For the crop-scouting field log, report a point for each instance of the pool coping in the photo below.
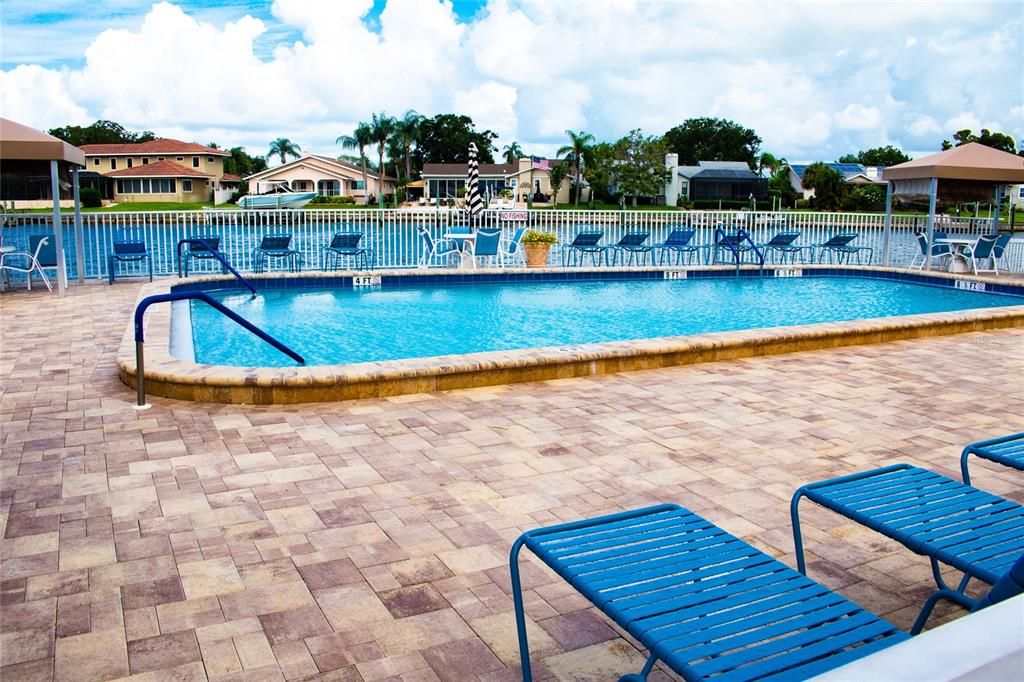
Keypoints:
(171, 377)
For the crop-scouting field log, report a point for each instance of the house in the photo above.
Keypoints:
(323, 175)
(528, 175)
(158, 170)
(712, 181)
(853, 174)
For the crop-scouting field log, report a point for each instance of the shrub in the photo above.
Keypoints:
(400, 194)
(803, 204)
(90, 198)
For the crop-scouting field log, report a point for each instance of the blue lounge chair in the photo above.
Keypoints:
(435, 248)
(679, 242)
(197, 250)
(632, 243)
(940, 252)
(999, 251)
(128, 252)
(584, 243)
(707, 604)
(1005, 450)
(980, 251)
(782, 246)
(276, 247)
(949, 522)
(841, 248)
(345, 245)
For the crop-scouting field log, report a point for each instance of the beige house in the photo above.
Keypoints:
(160, 170)
(525, 177)
(323, 175)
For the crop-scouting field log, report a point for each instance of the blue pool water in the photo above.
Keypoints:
(340, 326)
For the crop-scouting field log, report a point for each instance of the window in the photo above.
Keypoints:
(1020, 192)
(511, 183)
(179, 158)
(209, 159)
(145, 160)
(195, 162)
(357, 184)
(163, 186)
(129, 162)
(113, 164)
(186, 185)
(95, 162)
(146, 186)
(159, 158)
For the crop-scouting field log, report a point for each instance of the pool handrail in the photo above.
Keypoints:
(729, 241)
(140, 341)
(216, 254)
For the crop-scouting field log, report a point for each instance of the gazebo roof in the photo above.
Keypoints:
(19, 142)
(972, 161)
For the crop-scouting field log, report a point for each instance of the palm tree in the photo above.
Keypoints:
(512, 152)
(284, 148)
(407, 132)
(574, 153)
(360, 139)
(771, 163)
(381, 128)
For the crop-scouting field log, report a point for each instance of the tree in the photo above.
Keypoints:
(407, 131)
(283, 147)
(769, 162)
(381, 128)
(713, 139)
(445, 138)
(360, 139)
(598, 169)
(780, 186)
(1000, 141)
(241, 164)
(512, 152)
(574, 153)
(556, 175)
(829, 187)
(640, 170)
(100, 132)
(877, 156)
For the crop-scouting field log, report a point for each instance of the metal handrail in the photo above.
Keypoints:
(140, 342)
(741, 236)
(218, 256)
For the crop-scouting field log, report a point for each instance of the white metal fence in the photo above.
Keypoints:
(392, 234)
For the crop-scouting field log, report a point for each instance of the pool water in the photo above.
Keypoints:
(344, 325)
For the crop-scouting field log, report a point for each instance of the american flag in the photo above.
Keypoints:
(539, 163)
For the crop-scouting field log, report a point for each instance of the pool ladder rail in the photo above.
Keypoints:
(731, 242)
(216, 254)
(140, 341)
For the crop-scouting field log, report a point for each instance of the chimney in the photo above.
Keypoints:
(672, 186)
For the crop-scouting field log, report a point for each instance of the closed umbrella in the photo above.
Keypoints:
(474, 201)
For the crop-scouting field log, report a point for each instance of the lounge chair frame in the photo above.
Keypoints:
(346, 245)
(1005, 450)
(128, 251)
(276, 247)
(583, 243)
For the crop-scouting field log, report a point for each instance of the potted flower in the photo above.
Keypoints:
(536, 246)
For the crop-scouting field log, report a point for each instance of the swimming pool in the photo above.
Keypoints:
(411, 319)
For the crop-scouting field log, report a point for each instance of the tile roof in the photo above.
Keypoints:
(162, 145)
(461, 169)
(158, 169)
(231, 177)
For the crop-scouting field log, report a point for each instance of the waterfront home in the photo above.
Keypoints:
(528, 175)
(853, 174)
(712, 180)
(323, 175)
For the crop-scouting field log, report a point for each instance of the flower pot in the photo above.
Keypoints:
(536, 254)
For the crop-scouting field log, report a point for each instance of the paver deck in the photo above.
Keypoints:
(367, 540)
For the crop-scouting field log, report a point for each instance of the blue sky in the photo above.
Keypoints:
(814, 80)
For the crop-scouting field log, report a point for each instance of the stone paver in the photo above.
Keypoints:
(366, 540)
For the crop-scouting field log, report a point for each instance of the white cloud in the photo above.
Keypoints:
(813, 80)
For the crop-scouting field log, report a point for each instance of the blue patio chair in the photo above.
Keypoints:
(678, 242)
(513, 249)
(632, 243)
(1005, 450)
(582, 244)
(981, 251)
(705, 603)
(276, 247)
(999, 251)
(128, 252)
(782, 247)
(196, 250)
(949, 522)
(434, 248)
(345, 245)
(486, 245)
(940, 252)
(840, 247)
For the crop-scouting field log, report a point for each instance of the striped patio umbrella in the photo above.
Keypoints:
(474, 201)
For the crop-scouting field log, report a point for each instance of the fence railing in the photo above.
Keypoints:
(392, 234)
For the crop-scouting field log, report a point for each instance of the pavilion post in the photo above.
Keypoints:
(79, 237)
(995, 217)
(58, 237)
(932, 193)
(887, 229)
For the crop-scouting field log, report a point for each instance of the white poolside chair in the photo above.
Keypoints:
(35, 260)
